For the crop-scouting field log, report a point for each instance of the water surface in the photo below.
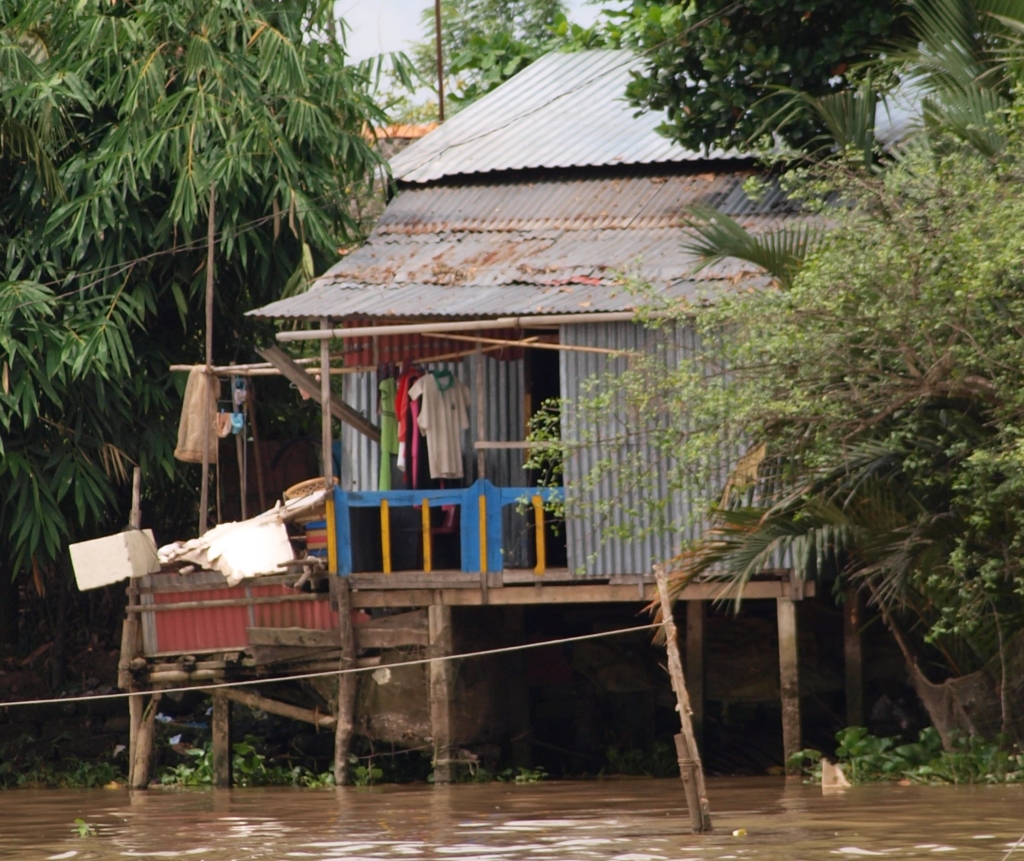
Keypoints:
(610, 820)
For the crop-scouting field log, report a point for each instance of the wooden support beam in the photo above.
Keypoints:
(221, 731)
(695, 617)
(789, 680)
(142, 763)
(341, 596)
(307, 637)
(422, 593)
(276, 707)
(690, 768)
(442, 682)
(306, 384)
(853, 621)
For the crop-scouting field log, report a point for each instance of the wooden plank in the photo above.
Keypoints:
(371, 637)
(690, 768)
(789, 680)
(584, 593)
(308, 637)
(267, 655)
(305, 383)
(254, 701)
(422, 580)
(413, 619)
(226, 602)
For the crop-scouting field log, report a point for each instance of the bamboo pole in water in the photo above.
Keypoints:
(690, 768)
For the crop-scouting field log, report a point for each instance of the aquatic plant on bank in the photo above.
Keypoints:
(866, 758)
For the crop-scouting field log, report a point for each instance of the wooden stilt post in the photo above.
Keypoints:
(690, 768)
(130, 638)
(142, 762)
(221, 728)
(853, 612)
(789, 679)
(346, 705)
(695, 614)
(442, 676)
(135, 707)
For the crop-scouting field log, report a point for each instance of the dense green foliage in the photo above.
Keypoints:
(125, 116)
(486, 42)
(868, 759)
(717, 67)
(873, 379)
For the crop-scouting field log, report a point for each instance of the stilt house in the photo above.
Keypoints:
(498, 267)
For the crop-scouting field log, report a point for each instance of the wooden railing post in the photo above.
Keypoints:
(541, 539)
(483, 546)
(690, 768)
(385, 535)
(428, 550)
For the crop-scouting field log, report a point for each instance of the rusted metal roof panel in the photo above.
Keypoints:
(574, 204)
(542, 247)
(564, 110)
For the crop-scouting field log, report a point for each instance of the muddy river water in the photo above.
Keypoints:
(611, 820)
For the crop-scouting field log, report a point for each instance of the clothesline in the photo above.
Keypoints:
(265, 369)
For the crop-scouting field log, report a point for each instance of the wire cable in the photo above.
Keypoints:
(212, 686)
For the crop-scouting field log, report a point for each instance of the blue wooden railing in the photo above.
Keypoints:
(481, 502)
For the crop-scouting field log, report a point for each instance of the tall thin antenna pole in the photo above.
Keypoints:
(440, 60)
(204, 492)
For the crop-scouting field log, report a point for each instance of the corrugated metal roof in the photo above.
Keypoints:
(573, 204)
(530, 248)
(564, 110)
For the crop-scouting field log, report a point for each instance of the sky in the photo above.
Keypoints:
(380, 26)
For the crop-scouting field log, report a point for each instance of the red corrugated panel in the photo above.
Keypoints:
(215, 628)
(201, 629)
(292, 614)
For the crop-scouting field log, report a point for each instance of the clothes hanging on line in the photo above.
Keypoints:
(443, 415)
(387, 388)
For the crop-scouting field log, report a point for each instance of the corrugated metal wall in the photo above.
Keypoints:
(504, 389)
(590, 549)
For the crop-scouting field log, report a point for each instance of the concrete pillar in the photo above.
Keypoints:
(789, 678)
(442, 682)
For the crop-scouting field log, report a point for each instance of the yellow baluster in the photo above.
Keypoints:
(332, 534)
(385, 535)
(428, 556)
(483, 534)
(541, 538)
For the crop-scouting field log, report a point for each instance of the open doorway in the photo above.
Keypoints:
(543, 386)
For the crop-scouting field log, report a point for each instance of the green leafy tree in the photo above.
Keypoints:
(130, 114)
(716, 67)
(484, 42)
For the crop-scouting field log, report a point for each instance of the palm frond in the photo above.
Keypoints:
(780, 252)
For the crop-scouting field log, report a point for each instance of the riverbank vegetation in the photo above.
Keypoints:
(866, 758)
